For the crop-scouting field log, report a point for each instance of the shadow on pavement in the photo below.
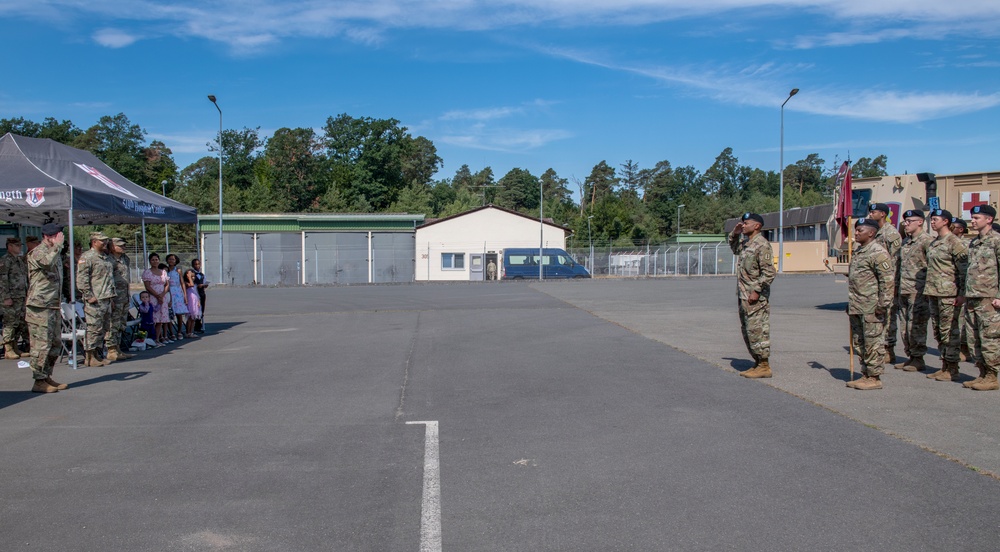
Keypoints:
(838, 307)
(739, 364)
(10, 398)
(842, 374)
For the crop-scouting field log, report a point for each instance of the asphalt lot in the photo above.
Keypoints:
(595, 415)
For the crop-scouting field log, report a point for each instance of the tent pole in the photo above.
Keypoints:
(72, 281)
(145, 251)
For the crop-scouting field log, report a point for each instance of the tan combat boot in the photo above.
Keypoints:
(949, 372)
(10, 351)
(42, 386)
(93, 360)
(867, 383)
(890, 355)
(966, 354)
(944, 368)
(915, 364)
(853, 383)
(122, 355)
(763, 370)
(982, 374)
(54, 383)
(113, 354)
(989, 383)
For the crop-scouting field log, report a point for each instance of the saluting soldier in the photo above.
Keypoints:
(95, 280)
(911, 302)
(13, 290)
(888, 237)
(982, 297)
(45, 275)
(947, 262)
(870, 285)
(755, 272)
(119, 312)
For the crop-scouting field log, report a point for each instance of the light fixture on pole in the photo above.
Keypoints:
(679, 221)
(590, 237)
(211, 98)
(781, 187)
(166, 230)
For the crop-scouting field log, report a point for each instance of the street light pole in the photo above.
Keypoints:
(166, 230)
(541, 230)
(590, 237)
(781, 188)
(679, 221)
(211, 98)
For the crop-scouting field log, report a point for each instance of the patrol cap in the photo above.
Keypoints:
(865, 221)
(752, 216)
(984, 210)
(941, 213)
(12, 240)
(118, 241)
(98, 236)
(31, 239)
(960, 222)
(51, 229)
(913, 213)
(879, 207)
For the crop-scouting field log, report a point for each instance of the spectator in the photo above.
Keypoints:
(146, 309)
(193, 302)
(199, 280)
(157, 285)
(178, 293)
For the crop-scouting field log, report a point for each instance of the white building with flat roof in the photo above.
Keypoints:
(460, 247)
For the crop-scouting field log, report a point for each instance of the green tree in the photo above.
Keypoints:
(421, 161)
(293, 158)
(601, 182)
(240, 150)
(120, 144)
(64, 132)
(806, 174)
(726, 177)
(373, 152)
(519, 191)
(866, 167)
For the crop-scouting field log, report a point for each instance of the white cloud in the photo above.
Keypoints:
(248, 25)
(484, 114)
(114, 38)
(505, 139)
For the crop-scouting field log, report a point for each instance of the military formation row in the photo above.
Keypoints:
(896, 284)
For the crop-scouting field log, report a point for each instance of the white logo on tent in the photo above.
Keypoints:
(36, 196)
(107, 181)
(971, 199)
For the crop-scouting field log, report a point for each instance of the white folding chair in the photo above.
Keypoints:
(67, 336)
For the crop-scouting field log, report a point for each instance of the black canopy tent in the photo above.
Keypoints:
(42, 181)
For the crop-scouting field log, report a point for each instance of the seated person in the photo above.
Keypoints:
(146, 309)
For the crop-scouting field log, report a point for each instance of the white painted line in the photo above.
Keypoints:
(430, 507)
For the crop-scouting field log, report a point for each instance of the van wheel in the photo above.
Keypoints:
(517, 278)
(577, 277)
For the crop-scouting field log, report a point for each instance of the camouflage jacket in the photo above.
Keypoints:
(122, 271)
(911, 271)
(870, 280)
(754, 265)
(45, 275)
(95, 276)
(13, 277)
(983, 273)
(947, 262)
(888, 237)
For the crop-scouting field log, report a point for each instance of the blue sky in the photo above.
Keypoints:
(532, 83)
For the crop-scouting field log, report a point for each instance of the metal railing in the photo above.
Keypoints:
(686, 259)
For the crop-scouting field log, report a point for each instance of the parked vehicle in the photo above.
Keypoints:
(522, 263)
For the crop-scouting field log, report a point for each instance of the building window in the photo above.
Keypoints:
(453, 261)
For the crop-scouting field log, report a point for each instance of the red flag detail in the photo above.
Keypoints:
(845, 207)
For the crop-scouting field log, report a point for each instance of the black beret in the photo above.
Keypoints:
(865, 221)
(984, 210)
(879, 207)
(913, 213)
(941, 213)
(752, 216)
(960, 222)
(51, 229)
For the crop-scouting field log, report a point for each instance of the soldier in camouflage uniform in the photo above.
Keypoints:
(95, 280)
(755, 272)
(13, 290)
(870, 285)
(961, 229)
(911, 273)
(982, 298)
(888, 237)
(43, 315)
(947, 262)
(119, 314)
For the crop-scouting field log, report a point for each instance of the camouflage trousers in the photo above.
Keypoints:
(98, 318)
(892, 324)
(983, 321)
(868, 340)
(946, 320)
(119, 315)
(755, 323)
(914, 312)
(14, 326)
(45, 328)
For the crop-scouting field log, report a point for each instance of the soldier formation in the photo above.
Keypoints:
(896, 284)
(33, 288)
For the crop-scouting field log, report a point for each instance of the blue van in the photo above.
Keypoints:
(522, 263)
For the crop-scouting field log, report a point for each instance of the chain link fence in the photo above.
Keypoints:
(686, 259)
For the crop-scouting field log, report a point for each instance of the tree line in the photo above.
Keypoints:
(369, 165)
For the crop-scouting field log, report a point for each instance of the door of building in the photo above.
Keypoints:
(476, 267)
